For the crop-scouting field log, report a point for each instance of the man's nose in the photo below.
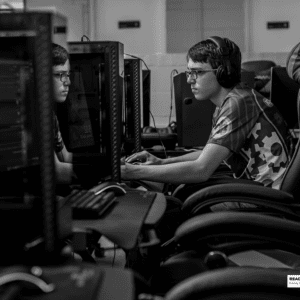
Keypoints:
(67, 81)
(190, 79)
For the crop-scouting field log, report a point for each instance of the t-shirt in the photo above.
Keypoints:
(58, 141)
(251, 127)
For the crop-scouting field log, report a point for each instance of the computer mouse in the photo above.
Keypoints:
(109, 186)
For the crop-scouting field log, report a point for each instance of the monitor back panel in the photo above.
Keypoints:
(194, 118)
(284, 92)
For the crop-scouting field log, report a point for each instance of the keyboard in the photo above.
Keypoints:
(86, 204)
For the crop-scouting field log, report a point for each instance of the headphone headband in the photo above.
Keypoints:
(220, 43)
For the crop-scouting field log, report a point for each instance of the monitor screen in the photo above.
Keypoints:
(90, 119)
(284, 93)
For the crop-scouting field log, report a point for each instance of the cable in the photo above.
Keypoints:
(172, 92)
(84, 36)
(114, 257)
(137, 58)
(158, 134)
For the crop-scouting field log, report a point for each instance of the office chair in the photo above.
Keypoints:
(229, 243)
(262, 72)
(258, 66)
(235, 284)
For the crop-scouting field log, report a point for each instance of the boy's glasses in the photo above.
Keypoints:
(63, 76)
(193, 74)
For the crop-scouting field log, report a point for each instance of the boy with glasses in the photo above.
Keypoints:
(61, 83)
(248, 133)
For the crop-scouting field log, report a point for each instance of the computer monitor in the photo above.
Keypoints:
(132, 105)
(27, 175)
(284, 93)
(194, 118)
(91, 118)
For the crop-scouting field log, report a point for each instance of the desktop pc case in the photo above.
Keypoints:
(27, 205)
(194, 118)
(132, 105)
(91, 117)
(284, 94)
(146, 97)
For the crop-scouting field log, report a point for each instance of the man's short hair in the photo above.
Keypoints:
(208, 51)
(59, 55)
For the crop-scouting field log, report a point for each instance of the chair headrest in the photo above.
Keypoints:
(293, 63)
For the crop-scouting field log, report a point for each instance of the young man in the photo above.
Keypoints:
(248, 133)
(61, 82)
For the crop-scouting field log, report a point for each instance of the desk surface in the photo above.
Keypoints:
(78, 281)
(123, 224)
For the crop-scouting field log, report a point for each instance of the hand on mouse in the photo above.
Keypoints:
(143, 158)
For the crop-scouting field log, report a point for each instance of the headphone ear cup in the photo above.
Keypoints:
(221, 75)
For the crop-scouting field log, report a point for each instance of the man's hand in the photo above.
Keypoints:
(128, 172)
(143, 157)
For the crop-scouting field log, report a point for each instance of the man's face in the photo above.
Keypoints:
(204, 85)
(61, 81)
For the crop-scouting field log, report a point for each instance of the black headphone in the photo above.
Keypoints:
(224, 72)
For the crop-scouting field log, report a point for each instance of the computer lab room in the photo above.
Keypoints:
(150, 149)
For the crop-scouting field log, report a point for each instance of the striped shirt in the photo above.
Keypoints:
(251, 127)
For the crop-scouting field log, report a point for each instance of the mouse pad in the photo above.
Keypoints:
(123, 223)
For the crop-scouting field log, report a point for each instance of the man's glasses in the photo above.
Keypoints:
(63, 76)
(193, 74)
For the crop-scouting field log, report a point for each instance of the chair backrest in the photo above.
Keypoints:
(291, 180)
(248, 77)
(258, 66)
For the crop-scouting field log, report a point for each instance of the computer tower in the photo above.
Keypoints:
(91, 117)
(284, 94)
(132, 105)
(28, 211)
(193, 117)
(146, 98)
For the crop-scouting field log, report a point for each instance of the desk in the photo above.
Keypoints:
(123, 224)
(78, 281)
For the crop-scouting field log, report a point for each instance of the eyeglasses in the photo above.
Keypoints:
(193, 74)
(63, 76)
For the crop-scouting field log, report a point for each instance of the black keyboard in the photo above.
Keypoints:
(86, 204)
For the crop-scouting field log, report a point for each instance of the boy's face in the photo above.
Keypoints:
(61, 81)
(205, 85)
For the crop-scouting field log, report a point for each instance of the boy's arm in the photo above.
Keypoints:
(186, 157)
(63, 171)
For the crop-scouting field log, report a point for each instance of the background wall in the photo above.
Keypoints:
(77, 12)
(170, 27)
